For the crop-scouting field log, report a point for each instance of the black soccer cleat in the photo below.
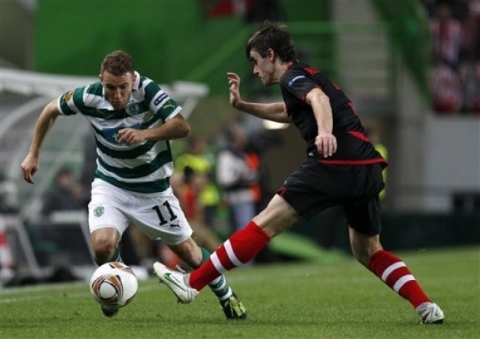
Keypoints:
(109, 312)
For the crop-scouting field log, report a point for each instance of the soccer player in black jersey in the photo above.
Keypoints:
(341, 168)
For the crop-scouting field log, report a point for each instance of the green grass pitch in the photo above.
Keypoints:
(293, 300)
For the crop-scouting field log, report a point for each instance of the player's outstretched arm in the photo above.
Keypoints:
(44, 123)
(270, 111)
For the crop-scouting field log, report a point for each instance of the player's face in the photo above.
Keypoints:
(118, 89)
(263, 67)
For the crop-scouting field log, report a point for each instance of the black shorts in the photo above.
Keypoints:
(314, 187)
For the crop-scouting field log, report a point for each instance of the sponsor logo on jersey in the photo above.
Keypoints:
(160, 98)
(111, 133)
(168, 105)
(290, 83)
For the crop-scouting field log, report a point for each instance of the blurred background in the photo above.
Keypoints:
(411, 67)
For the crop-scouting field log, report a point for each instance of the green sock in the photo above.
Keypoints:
(219, 285)
(115, 257)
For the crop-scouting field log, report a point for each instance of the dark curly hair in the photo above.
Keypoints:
(273, 36)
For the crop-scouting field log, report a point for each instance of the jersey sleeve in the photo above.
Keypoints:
(298, 83)
(160, 102)
(71, 102)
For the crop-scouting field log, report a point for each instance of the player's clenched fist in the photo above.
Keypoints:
(29, 167)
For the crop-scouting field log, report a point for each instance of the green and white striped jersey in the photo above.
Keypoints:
(143, 168)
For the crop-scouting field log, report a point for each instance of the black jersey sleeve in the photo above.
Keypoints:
(298, 83)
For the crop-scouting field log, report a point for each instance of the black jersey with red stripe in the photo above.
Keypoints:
(354, 147)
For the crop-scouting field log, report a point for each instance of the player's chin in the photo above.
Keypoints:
(119, 105)
(266, 82)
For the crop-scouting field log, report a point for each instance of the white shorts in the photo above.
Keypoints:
(158, 217)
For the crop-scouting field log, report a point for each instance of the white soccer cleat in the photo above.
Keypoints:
(430, 313)
(175, 281)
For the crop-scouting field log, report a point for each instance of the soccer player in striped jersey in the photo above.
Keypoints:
(133, 121)
(342, 168)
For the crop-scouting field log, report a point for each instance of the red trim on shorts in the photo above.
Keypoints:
(359, 135)
(353, 162)
(281, 191)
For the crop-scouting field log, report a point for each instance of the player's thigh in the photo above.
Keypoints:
(106, 209)
(161, 218)
(364, 215)
(364, 222)
(276, 217)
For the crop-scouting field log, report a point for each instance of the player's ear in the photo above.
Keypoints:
(271, 54)
(100, 77)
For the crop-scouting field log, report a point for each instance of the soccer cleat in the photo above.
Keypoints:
(430, 313)
(233, 308)
(175, 281)
(109, 312)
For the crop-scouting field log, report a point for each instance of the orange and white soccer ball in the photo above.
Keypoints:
(113, 285)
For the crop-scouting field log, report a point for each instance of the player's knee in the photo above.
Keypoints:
(103, 249)
(364, 253)
(362, 257)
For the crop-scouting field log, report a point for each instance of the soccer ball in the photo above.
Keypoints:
(113, 285)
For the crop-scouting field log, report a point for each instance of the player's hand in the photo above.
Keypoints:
(130, 136)
(29, 167)
(234, 82)
(326, 144)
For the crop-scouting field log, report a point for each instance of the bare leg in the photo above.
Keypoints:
(105, 245)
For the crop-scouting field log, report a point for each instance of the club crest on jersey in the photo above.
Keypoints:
(132, 109)
(98, 211)
(290, 83)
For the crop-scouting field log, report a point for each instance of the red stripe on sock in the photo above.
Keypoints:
(245, 243)
(411, 290)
